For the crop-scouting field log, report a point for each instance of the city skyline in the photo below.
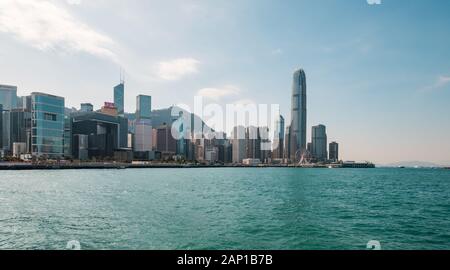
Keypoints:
(373, 119)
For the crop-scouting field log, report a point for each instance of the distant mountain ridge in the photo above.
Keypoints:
(414, 164)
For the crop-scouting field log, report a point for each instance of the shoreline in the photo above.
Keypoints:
(109, 166)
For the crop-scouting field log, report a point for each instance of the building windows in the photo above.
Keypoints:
(49, 117)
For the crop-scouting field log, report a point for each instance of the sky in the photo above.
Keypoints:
(378, 72)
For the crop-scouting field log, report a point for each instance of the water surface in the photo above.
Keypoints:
(229, 208)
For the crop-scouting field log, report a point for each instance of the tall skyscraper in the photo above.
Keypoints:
(119, 98)
(334, 151)
(8, 100)
(143, 107)
(278, 140)
(143, 126)
(47, 120)
(238, 144)
(319, 143)
(298, 114)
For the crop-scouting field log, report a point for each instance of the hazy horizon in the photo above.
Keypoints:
(378, 76)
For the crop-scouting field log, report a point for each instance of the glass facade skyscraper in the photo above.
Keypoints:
(143, 107)
(298, 114)
(8, 97)
(47, 125)
(119, 98)
(319, 142)
(8, 100)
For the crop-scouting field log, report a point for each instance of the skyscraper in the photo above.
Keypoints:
(278, 140)
(47, 120)
(334, 151)
(143, 126)
(8, 99)
(119, 98)
(319, 143)
(143, 107)
(298, 114)
(238, 144)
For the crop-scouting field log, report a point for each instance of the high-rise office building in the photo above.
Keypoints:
(334, 151)
(8, 97)
(278, 140)
(143, 131)
(47, 125)
(119, 98)
(143, 107)
(238, 144)
(68, 122)
(319, 143)
(253, 143)
(298, 114)
(20, 128)
(8, 100)
(165, 142)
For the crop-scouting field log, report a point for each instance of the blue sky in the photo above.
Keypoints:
(378, 75)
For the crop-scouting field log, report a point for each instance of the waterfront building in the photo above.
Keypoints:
(8, 100)
(19, 149)
(143, 136)
(143, 126)
(1, 126)
(287, 145)
(80, 147)
(298, 115)
(86, 107)
(239, 144)
(212, 154)
(106, 133)
(67, 135)
(253, 143)
(334, 151)
(165, 142)
(47, 120)
(251, 162)
(319, 143)
(278, 140)
(119, 98)
(20, 128)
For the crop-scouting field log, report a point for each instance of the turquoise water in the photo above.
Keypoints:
(225, 208)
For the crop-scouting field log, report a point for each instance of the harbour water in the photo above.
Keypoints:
(226, 208)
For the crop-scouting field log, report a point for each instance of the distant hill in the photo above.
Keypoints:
(164, 116)
(414, 164)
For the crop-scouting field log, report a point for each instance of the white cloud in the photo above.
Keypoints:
(176, 69)
(219, 92)
(440, 82)
(374, 2)
(443, 80)
(45, 25)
